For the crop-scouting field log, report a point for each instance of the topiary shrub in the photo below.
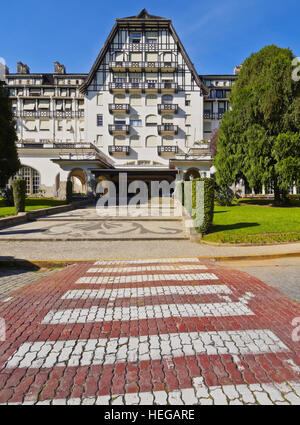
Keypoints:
(19, 191)
(69, 192)
(8, 196)
(224, 196)
(205, 211)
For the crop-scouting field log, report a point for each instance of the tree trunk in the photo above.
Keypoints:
(277, 195)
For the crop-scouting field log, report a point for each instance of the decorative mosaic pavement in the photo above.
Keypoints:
(169, 331)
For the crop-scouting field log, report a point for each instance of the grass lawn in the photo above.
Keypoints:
(246, 223)
(31, 204)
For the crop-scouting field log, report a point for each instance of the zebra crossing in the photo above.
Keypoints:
(148, 339)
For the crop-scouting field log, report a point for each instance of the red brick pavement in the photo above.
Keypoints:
(24, 313)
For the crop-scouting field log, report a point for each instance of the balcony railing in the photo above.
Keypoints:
(142, 65)
(118, 149)
(213, 115)
(126, 86)
(119, 128)
(119, 107)
(49, 114)
(167, 149)
(51, 144)
(138, 47)
(167, 107)
(167, 129)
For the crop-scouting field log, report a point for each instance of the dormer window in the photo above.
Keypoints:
(135, 37)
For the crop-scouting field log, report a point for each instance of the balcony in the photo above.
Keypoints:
(139, 66)
(119, 150)
(168, 87)
(167, 108)
(167, 150)
(119, 87)
(213, 115)
(49, 114)
(135, 86)
(119, 108)
(138, 87)
(167, 129)
(119, 129)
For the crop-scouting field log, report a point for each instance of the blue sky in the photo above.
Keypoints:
(217, 34)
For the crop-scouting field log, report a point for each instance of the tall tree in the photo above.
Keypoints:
(259, 138)
(9, 161)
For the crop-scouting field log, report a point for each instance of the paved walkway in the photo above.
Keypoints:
(282, 273)
(12, 278)
(168, 331)
(90, 250)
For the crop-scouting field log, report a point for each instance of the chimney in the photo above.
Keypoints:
(59, 68)
(22, 68)
(237, 69)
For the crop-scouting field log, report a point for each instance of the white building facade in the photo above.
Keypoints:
(142, 109)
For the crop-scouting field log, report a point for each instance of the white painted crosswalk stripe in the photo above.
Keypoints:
(272, 393)
(146, 268)
(158, 311)
(88, 352)
(147, 261)
(95, 280)
(113, 294)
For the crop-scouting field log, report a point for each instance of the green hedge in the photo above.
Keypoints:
(209, 197)
(19, 192)
(69, 192)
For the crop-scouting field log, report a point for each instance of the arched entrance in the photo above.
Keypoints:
(191, 174)
(79, 180)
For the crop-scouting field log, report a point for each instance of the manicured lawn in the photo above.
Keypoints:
(31, 204)
(255, 224)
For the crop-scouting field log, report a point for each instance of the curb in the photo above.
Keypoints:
(62, 263)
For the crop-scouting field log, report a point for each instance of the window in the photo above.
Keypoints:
(167, 98)
(187, 99)
(135, 100)
(151, 100)
(30, 125)
(32, 178)
(221, 107)
(59, 125)
(135, 77)
(119, 121)
(81, 125)
(135, 37)
(99, 140)
(119, 98)
(135, 121)
(45, 125)
(151, 121)
(99, 120)
(135, 57)
(168, 141)
(151, 141)
(151, 37)
(99, 99)
(188, 120)
(120, 141)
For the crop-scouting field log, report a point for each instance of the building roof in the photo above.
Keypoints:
(143, 16)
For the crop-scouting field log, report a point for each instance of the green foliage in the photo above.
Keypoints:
(209, 195)
(224, 196)
(8, 196)
(69, 192)
(259, 139)
(19, 190)
(9, 162)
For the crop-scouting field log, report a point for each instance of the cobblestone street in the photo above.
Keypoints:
(168, 331)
